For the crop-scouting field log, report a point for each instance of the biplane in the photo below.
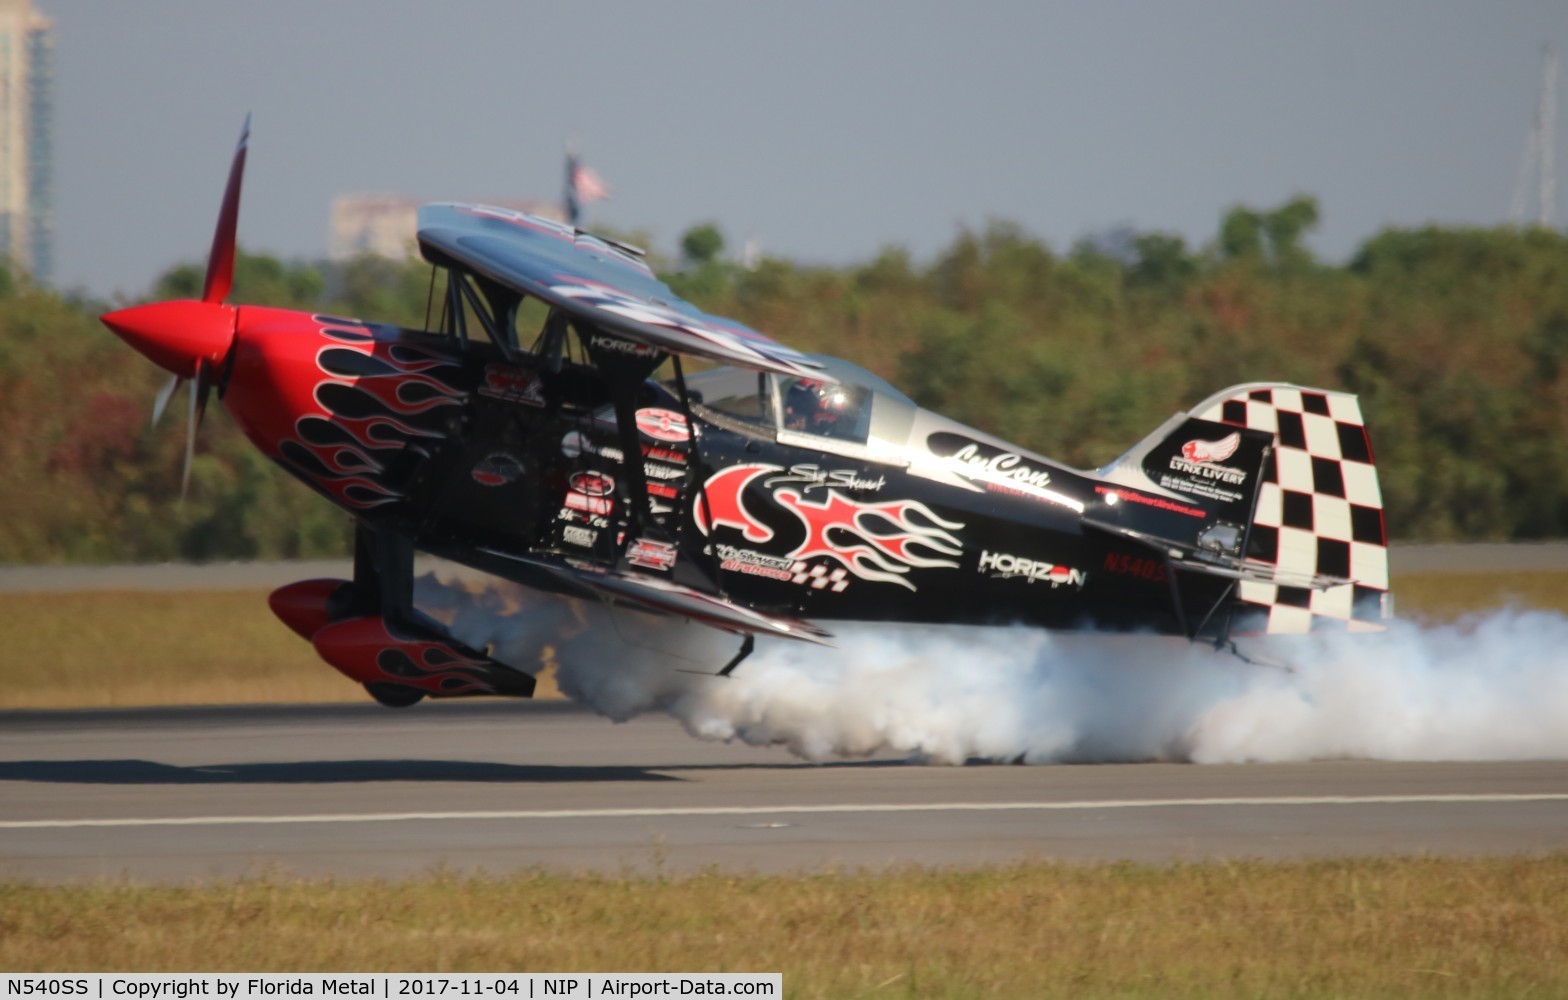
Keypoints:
(544, 427)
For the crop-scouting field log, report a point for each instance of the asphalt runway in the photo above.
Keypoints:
(174, 795)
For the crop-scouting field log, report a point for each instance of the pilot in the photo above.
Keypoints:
(815, 407)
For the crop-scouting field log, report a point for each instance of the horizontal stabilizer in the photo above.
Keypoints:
(1188, 558)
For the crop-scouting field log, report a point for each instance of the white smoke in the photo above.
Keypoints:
(1490, 688)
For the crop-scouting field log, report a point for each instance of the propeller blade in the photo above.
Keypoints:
(164, 395)
(220, 263)
(199, 386)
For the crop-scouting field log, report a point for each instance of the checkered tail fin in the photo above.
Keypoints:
(1319, 512)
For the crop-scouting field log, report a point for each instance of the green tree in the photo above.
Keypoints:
(702, 244)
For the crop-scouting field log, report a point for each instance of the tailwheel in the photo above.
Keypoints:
(394, 695)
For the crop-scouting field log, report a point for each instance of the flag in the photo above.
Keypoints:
(583, 184)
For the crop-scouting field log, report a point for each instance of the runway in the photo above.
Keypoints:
(173, 795)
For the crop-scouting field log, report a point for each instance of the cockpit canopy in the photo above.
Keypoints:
(850, 409)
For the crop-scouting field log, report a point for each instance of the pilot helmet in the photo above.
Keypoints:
(812, 405)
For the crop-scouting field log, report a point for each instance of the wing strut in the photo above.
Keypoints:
(702, 487)
(747, 644)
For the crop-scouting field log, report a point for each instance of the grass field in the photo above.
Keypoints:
(100, 649)
(1409, 927)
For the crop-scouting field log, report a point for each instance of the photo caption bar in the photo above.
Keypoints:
(389, 986)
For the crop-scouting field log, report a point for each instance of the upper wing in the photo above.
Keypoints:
(597, 280)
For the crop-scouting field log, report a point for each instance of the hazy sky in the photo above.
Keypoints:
(824, 130)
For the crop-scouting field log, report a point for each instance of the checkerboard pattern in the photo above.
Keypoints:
(1320, 511)
(821, 576)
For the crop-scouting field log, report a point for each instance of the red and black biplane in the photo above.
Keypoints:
(525, 434)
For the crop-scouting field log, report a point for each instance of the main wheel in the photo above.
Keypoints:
(394, 695)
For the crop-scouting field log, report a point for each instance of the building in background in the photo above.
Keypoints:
(26, 139)
(384, 224)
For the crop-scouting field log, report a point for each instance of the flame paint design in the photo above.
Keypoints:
(880, 540)
(724, 498)
(376, 400)
(437, 668)
(371, 650)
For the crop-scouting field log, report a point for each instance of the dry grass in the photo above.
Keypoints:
(1428, 597)
(101, 649)
(1410, 927)
(93, 649)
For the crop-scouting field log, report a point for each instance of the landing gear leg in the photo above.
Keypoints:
(746, 646)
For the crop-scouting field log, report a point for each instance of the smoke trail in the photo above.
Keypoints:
(1491, 688)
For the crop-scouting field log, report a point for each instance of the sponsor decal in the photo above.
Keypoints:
(1211, 462)
(1207, 483)
(664, 454)
(497, 469)
(998, 470)
(649, 554)
(1132, 496)
(593, 505)
(594, 484)
(572, 515)
(661, 490)
(813, 477)
(515, 385)
(654, 471)
(576, 534)
(1152, 570)
(575, 445)
(615, 345)
(1211, 451)
(1005, 566)
(591, 492)
(1207, 470)
(879, 541)
(1197, 470)
(663, 425)
(753, 563)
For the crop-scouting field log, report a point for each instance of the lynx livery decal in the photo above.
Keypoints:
(845, 531)
(1211, 451)
(1198, 471)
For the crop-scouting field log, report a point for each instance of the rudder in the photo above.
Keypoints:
(1319, 510)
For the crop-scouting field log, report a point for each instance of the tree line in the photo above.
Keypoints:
(1456, 340)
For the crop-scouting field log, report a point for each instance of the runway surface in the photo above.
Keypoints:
(351, 791)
